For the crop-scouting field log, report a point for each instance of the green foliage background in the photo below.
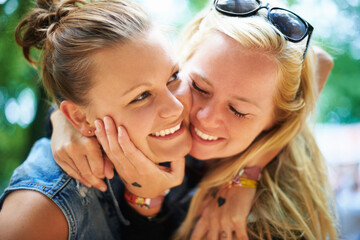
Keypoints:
(339, 102)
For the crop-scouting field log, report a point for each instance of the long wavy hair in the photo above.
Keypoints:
(293, 198)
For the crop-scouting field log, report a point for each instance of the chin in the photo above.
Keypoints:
(201, 155)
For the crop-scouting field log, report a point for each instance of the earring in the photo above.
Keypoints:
(89, 132)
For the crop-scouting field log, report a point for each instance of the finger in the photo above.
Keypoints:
(200, 230)
(61, 157)
(133, 154)
(177, 171)
(115, 148)
(68, 165)
(241, 229)
(214, 229)
(108, 168)
(225, 234)
(101, 136)
(226, 228)
(73, 173)
(95, 158)
(82, 164)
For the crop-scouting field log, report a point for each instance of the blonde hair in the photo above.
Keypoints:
(293, 198)
(68, 31)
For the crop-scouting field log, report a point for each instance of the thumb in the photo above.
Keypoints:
(108, 168)
(177, 170)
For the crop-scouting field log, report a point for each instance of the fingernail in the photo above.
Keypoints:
(109, 173)
(103, 188)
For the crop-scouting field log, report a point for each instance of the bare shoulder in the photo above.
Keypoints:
(323, 57)
(31, 215)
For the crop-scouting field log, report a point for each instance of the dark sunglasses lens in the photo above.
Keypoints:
(237, 6)
(289, 24)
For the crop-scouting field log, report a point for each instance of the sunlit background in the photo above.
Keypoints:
(23, 105)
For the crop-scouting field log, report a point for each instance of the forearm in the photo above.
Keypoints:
(263, 159)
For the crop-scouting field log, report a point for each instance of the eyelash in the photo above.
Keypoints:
(141, 97)
(199, 89)
(173, 78)
(237, 114)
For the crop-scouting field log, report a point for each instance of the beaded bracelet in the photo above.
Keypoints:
(143, 202)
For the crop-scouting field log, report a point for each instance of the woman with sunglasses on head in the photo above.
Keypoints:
(253, 88)
(257, 98)
(91, 52)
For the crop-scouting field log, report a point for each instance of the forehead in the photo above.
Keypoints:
(234, 70)
(144, 60)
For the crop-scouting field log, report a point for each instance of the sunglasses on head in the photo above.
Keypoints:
(292, 26)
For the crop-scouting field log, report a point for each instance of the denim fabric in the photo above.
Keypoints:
(90, 213)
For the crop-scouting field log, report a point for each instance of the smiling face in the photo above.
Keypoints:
(136, 84)
(233, 91)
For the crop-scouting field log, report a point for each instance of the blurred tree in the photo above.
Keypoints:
(16, 75)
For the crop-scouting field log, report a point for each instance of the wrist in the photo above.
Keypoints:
(252, 173)
(247, 177)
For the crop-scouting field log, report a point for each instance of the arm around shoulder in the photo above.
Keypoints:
(29, 214)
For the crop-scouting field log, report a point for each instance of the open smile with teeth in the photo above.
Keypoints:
(165, 132)
(205, 136)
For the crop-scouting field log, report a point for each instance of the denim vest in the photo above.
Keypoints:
(90, 213)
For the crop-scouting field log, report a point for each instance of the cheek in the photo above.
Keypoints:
(139, 124)
(244, 132)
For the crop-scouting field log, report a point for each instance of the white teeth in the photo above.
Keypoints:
(205, 136)
(167, 131)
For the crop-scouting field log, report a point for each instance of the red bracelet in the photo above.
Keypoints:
(143, 202)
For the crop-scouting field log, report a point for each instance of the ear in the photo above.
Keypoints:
(77, 116)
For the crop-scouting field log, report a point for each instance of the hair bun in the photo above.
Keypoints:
(42, 21)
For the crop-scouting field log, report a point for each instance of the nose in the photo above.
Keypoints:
(209, 116)
(170, 107)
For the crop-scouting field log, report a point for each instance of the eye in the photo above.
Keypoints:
(173, 78)
(237, 114)
(199, 89)
(141, 97)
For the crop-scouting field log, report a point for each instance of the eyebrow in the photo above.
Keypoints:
(242, 99)
(247, 101)
(201, 76)
(175, 66)
(146, 84)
